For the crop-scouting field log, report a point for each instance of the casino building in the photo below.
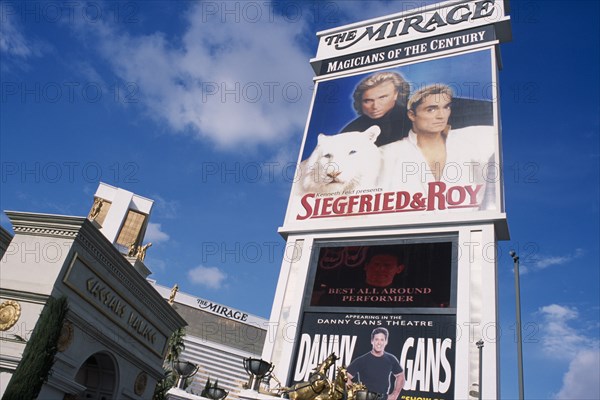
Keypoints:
(114, 337)
(217, 339)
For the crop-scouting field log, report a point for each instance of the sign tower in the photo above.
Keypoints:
(397, 207)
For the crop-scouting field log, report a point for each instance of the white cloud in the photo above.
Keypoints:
(211, 277)
(560, 340)
(155, 264)
(543, 262)
(165, 208)
(155, 234)
(235, 76)
(12, 40)
(15, 47)
(232, 83)
(581, 380)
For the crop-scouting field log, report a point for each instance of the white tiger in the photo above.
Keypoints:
(341, 162)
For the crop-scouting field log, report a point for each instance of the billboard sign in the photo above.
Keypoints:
(409, 144)
(417, 351)
(356, 288)
(403, 132)
(435, 20)
(403, 127)
(407, 275)
(399, 52)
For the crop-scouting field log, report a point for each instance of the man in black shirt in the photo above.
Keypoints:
(374, 368)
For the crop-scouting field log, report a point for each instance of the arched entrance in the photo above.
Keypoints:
(99, 375)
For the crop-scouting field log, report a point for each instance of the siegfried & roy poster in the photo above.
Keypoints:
(360, 169)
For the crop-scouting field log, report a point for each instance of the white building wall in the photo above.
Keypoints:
(121, 201)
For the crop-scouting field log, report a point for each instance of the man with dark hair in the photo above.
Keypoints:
(375, 368)
(381, 268)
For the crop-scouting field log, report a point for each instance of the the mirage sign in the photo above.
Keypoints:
(434, 20)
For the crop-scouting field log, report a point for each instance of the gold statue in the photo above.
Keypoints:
(354, 388)
(96, 207)
(318, 385)
(338, 388)
(141, 251)
(174, 291)
(132, 250)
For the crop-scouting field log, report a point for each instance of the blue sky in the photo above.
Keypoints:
(201, 107)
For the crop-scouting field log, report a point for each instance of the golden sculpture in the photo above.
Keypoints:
(96, 207)
(132, 250)
(318, 385)
(308, 390)
(337, 388)
(138, 251)
(174, 291)
(355, 388)
(10, 312)
(141, 253)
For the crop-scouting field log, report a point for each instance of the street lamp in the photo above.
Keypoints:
(184, 370)
(479, 345)
(215, 393)
(257, 369)
(515, 258)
